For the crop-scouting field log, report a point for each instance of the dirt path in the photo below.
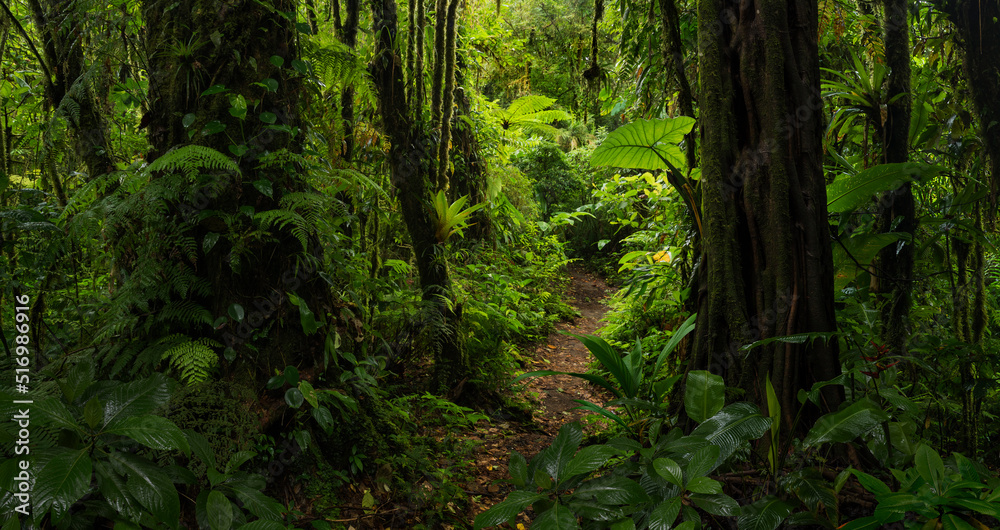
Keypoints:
(555, 394)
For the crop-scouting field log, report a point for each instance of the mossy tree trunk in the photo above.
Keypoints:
(978, 24)
(68, 85)
(766, 261)
(246, 48)
(413, 163)
(895, 273)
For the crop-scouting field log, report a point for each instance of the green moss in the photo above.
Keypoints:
(218, 411)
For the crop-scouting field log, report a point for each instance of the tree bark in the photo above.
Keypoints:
(766, 260)
(411, 157)
(61, 25)
(978, 24)
(896, 261)
(197, 44)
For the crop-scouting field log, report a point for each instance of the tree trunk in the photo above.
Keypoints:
(197, 44)
(411, 163)
(896, 262)
(61, 25)
(978, 24)
(673, 56)
(766, 265)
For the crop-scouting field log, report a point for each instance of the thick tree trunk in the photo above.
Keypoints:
(895, 280)
(197, 44)
(411, 158)
(978, 23)
(766, 265)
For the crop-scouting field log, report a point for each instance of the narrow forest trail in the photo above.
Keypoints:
(555, 394)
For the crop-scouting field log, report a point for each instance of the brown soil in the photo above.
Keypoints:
(553, 395)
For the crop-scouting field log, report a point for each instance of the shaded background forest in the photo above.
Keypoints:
(280, 255)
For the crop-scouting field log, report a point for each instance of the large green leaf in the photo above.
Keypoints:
(645, 144)
(115, 492)
(55, 412)
(61, 482)
(256, 502)
(135, 399)
(612, 361)
(557, 456)
(220, 511)
(721, 505)
(150, 486)
(507, 510)
(518, 469)
(152, 431)
(930, 466)
(663, 516)
(774, 413)
(615, 490)
(852, 255)
(704, 395)
(871, 483)
(847, 424)
(702, 462)
(675, 339)
(704, 485)
(765, 514)
(848, 192)
(558, 517)
(733, 426)
(669, 470)
(991, 509)
(589, 459)
(811, 489)
(201, 448)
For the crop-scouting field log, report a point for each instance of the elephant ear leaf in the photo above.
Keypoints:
(645, 144)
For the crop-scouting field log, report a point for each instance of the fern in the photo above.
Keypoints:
(191, 159)
(155, 255)
(193, 359)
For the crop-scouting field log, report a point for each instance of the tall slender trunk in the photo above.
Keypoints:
(61, 25)
(673, 57)
(896, 261)
(411, 161)
(978, 23)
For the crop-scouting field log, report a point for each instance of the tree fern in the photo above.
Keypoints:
(194, 360)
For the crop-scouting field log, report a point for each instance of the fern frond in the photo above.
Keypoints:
(282, 218)
(190, 159)
(193, 359)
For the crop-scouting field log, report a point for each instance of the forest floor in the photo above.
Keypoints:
(485, 479)
(553, 396)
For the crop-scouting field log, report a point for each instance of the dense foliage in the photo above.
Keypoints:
(269, 264)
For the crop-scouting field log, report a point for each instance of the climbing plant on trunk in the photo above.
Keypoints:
(418, 166)
(246, 232)
(766, 266)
